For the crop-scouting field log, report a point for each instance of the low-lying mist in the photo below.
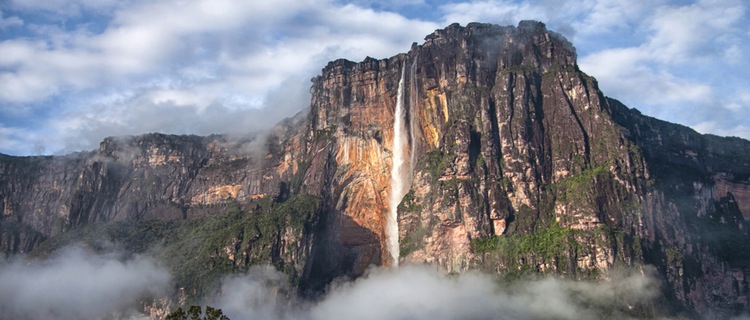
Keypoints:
(421, 292)
(76, 284)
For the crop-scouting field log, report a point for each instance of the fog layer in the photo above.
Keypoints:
(75, 284)
(420, 292)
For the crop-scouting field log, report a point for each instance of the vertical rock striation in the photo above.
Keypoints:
(523, 165)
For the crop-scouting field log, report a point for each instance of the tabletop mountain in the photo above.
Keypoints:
(510, 160)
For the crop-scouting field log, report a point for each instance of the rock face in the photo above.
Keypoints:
(519, 164)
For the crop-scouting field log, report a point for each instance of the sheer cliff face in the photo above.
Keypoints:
(517, 162)
(501, 122)
(521, 164)
(153, 176)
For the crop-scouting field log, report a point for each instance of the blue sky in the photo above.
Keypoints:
(75, 71)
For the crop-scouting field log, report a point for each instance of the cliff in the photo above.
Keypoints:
(514, 163)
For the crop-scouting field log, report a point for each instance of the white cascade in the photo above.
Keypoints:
(399, 172)
(413, 118)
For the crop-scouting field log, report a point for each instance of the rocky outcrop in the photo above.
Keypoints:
(525, 144)
(694, 226)
(518, 164)
(523, 165)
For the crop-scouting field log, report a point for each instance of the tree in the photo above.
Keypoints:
(195, 313)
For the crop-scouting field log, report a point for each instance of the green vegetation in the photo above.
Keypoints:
(554, 248)
(480, 161)
(505, 183)
(575, 186)
(547, 242)
(408, 204)
(474, 90)
(195, 313)
(200, 251)
(725, 240)
(518, 69)
(295, 182)
(205, 249)
(436, 163)
(520, 255)
(413, 240)
(674, 256)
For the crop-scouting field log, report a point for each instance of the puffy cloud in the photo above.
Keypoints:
(225, 55)
(178, 111)
(696, 31)
(77, 285)
(625, 72)
(685, 69)
(70, 57)
(605, 16)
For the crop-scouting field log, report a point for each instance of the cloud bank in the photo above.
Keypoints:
(420, 292)
(75, 284)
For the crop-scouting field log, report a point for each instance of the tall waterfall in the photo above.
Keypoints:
(412, 115)
(400, 171)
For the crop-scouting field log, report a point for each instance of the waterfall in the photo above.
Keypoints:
(399, 171)
(413, 117)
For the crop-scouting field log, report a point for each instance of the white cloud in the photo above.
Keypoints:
(13, 138)
(420, 292)
(607, 15)
(745, 96)
(687, 33)
(733, 54)
(231, 53)
(9, 21)
(586, 17)
(77, 285)
(502, 12)
(686, 66)
(717, 128)
(628, 73)
(228, 54)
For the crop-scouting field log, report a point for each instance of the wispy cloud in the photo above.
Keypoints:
(6, 22)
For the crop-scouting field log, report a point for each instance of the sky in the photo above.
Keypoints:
(75, 71)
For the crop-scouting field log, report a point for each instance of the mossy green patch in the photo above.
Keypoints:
(200, 251)
(546, 242)
(576, 186)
